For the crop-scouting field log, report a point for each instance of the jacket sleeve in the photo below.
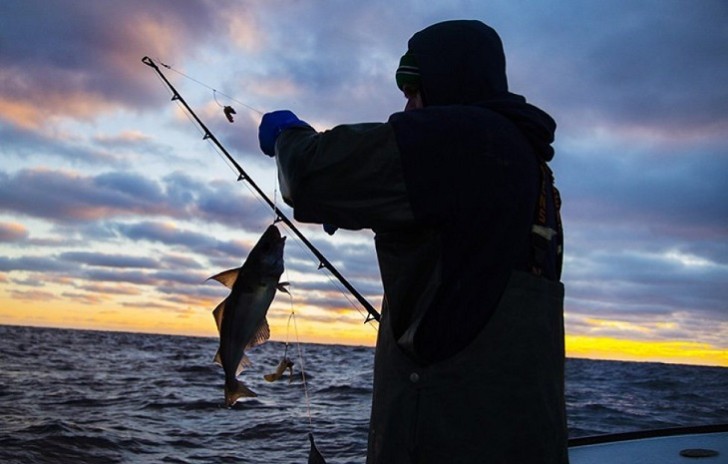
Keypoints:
(349, 176)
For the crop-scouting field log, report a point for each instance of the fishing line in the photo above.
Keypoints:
(214, 149)
(371, 322)
(303, 372)
(288, 333)
(314, 455)
(221, 155)
(209, 87)
(214, 95)
(331, 280)
(242, 175)
(276, 188)
(292, 317)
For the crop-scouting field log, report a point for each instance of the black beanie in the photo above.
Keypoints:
(408, 73)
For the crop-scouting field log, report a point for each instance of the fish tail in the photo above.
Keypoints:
(238, 391)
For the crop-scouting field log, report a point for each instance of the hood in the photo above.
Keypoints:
(538, 127)
(462, 62)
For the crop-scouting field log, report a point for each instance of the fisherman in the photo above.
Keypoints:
(470, 351)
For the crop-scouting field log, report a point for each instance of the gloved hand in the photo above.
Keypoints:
(271, 127)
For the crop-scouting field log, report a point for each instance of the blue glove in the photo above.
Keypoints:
(271, 127)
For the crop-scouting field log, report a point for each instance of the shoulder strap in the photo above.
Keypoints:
(547, 230)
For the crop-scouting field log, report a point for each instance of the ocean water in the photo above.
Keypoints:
(70, 396)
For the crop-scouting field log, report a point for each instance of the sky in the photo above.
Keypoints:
(114, 211)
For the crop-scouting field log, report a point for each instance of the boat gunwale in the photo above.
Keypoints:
(643, 434)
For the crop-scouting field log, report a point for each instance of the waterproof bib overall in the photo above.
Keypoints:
(499, 400)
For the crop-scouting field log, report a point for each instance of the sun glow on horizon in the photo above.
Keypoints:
(324, 327)
(672, 352)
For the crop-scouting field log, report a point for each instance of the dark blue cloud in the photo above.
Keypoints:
(71, 198)
(137, 277)
(107, 260)
(658, 64)
(68, 197)
(186, 239)
(32, 263)
(674, 192)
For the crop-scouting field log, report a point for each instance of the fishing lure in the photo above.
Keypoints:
(285, 363)
(229, 112)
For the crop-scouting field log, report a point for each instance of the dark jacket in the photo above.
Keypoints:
(450, 190)
(471, 164)
(469, 361)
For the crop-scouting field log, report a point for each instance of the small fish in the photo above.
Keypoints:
(282, 366)
(241, 317)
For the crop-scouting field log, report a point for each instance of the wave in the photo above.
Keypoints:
(147, 398)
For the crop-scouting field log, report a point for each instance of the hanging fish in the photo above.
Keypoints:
(241, 317)
(229, 112)
(282, 366)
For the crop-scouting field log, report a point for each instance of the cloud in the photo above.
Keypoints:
(71, 59)
(176, 261)
(143, 278)
(108, 260)
(28, 145)
(114, 289)
(13, 232)
(32, 295)
(31, 263)
(69, 197)
(102, 191)
(655, 64)
(319, 66)
(169, 234)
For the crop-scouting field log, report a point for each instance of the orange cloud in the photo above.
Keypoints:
(36, 113)
(19, 113)
(32, 295)
(244, 32)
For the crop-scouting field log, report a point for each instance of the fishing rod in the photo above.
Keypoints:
(242, 175)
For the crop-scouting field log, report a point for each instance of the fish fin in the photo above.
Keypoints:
(272, 377)
(314, 455)
(241, 391)
(217, 359)
(282, 287)
(227, 278)
(243, 364)
(261, 335)
(218, 312)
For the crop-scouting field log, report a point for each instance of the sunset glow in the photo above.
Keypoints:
(114, 211)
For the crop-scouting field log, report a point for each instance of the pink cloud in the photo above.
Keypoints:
(12, 232)
(76, 60)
